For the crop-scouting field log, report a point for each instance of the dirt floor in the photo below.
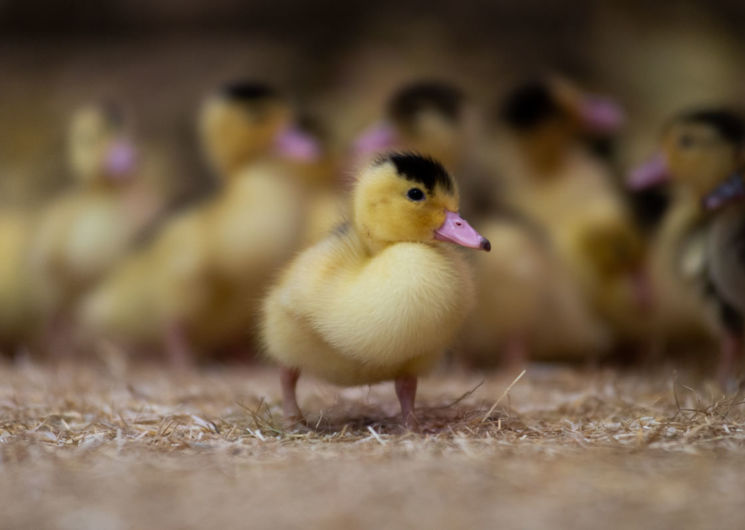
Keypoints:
(110, 446)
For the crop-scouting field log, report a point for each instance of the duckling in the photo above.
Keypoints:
(195, 287)
(382, 297)
(433, 118)
(16, 301)
(513, 286)
(702, 238)
(326, 196)
(549, 176)
(423, 116)
(86, 231)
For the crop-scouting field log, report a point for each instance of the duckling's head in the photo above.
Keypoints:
(547, 115)
(98, 146)
(701, 149)
(426, 116)
(406, 197)
(245, 120)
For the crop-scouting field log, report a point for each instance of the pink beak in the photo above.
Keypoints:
(121, 160)
(297, 145)
(601, 115)
(652, 172)
(377, 138)
(457, 230)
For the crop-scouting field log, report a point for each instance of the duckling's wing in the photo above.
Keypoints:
(726, 257)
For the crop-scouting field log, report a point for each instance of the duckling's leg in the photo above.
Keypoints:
(288, 378)
(731, 352)
(406, 392)
(178, 349)
(516, 353)
(731, 346)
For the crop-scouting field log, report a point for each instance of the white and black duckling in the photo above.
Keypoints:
(702, 243)
(382, 297)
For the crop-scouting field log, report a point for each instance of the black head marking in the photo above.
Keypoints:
(728, 124)
(421, 169)
(248, 91)
(410, 101)
(529, 105)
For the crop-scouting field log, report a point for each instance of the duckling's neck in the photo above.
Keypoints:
(370, 244)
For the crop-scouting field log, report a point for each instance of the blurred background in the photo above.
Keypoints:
(160, 58)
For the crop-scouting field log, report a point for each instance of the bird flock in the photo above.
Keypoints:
(442, 230)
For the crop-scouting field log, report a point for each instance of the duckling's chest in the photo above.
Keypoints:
(409, 300)
(97, 230)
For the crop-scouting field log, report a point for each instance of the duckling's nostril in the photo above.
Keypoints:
(458, 223)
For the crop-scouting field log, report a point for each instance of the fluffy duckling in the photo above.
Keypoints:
(195, 287)
(85, 232)
(701, 241)
(326, 196)
(551, 177)
(433, 118)
(382, 297)
(424, 117)
(16, 306)
(513, 287)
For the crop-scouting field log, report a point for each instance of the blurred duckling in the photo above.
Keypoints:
(548, 175)
(16, 299)
(382, 297)
(700, 246)
(85, 232)
(195, 287)
(433, 118)
(423, 116)
(326, 197)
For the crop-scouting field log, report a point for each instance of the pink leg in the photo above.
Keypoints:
(516, 352)
(406, 392)
(178, 350)
(731, 353)
(288, 378)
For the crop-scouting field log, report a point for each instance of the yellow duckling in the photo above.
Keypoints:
(326, 197)
(513, 287)
(196, 286)
(422, 116)
(551, 178)
(16, 309)
(382, 297)
(85, 232)
(699, 252)
(433, 118)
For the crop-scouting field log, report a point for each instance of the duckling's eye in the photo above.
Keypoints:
(686, 141)
(415, 194)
